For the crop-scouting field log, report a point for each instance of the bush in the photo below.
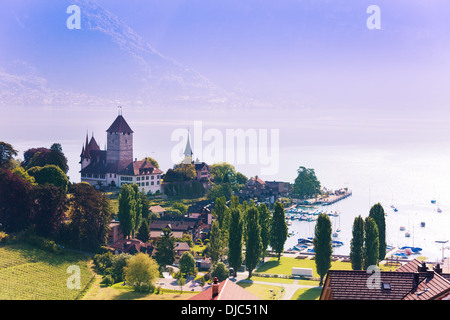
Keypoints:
(4, 237)
(42, 243)
(107, 281)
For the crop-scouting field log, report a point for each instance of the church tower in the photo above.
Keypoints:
(187, 152)
(119, 141)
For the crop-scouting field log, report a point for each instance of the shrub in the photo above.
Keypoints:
(107, 281)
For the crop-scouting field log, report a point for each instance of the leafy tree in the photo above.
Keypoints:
(371, 243)
(241, 178)
(7, 154)
(253, 244)
(219, 271)
(236, 229)
(181, 282)
(306, 184)
(90, 214)
(118, 265)
(187, 264)
(220, 210)
(16, 201)
(141, 272)
(217, 191)
(357, 244)
(377, 213)
(40, 157)
(20, 171)
(322, 245)
(48, 209)
(165, 248)
(222, 169)
(50, 174)
(152, 161)
(187, 171)
(278, 230)
(264, 222)
(181, 207)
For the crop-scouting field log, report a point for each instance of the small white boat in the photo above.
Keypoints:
(402, 228)
(407, 235)
(439, 210)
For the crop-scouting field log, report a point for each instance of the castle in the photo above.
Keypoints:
(115, 165)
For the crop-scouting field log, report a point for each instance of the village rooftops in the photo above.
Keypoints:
(412, 281)
(225, 290)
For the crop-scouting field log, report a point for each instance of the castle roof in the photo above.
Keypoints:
(120, 125)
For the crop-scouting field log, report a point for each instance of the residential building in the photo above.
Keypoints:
(225, 290)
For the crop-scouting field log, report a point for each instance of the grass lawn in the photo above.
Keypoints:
(265, 292)
(120, 292)
(284, 266)
(307, 294)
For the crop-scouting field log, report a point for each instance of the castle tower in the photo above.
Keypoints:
(85, 154)
(119, 141)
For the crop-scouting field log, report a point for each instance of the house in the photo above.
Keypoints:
(130, 246)
(114, 233)
(181, 247)
(225, 290)
(158, 210)
(412, 281)
(114, 166)
(279, 188)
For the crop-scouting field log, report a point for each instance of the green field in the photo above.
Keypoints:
(28, 273)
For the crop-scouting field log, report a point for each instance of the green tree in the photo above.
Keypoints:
(278, 230)
(127, 210)
(377, 213)
(165, 248)
(371, 243)
(7, 154)
(219, 271)
(264, 222)
(357, 244)
(50, 174)
(118, 265)
(306, 184)
(222, 169)
(144, 231)
(187, 264)
(236, 229)
(253, 244)
(48, 210)
(215, 244)
(40, 157)
(152, 161)
(322, 245)
(90, 215)
(21, 172)
(141, 272)
(220, 190)
(181, 207)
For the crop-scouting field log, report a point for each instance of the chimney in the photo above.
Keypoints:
(430, 274)
(438, 269)
(215, 287)
(422, 267)
(416, 279)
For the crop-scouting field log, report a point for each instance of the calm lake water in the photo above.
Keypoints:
(394, 162)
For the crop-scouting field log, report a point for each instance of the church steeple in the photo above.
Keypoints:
(188, 152)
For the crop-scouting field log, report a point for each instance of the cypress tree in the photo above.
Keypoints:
(264, 222)
(322, 245)
(357, 244)
(371, 243)
(253, 243)
(235, 257)
(279, 230)
(377, 214)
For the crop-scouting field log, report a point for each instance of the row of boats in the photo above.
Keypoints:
(306, 245)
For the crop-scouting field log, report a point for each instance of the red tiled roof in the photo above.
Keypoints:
(120, 125)
(410, 266)
(228, 290)
(431, 287)
(140, 167)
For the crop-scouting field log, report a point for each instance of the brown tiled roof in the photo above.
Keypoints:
(136, 168)
(410, 266)
(93, 144)
(228, 290)
(431, 287)
(120, 125)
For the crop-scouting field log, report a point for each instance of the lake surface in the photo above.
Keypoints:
(394, 161)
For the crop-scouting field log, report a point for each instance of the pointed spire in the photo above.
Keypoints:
(188, 151)
(87, 153)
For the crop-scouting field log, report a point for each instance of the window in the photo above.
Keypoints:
(158, 183)
(146, 178)
(138, 179)
(146, 183)
(153, 177)
(153, 183)
(386, 286)
(102, 176)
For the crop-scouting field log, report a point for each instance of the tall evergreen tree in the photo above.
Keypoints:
(371, 243)
(357, 244)
(127, 210)
(322, 245)
(264, 222)
(278, 230)
(215, 242)
(236, 230)
(165, 248)
(377, 213)
(253, 243)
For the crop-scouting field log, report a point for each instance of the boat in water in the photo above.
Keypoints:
(439, 210)
(335, 243)
(433, 201)
(422, 224)
(407, 235)
(402, 228)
